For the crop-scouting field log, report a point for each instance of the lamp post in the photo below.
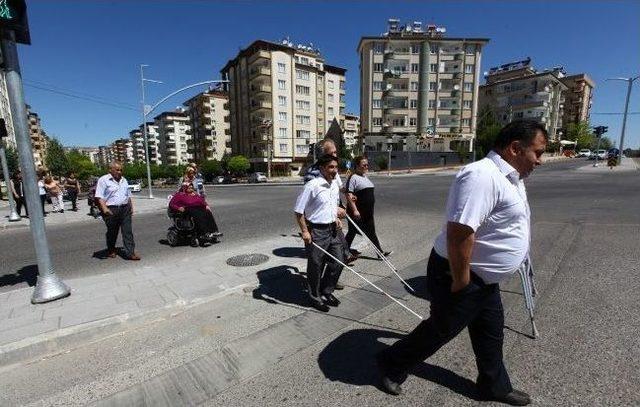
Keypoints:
(626, 111)
(265, 126)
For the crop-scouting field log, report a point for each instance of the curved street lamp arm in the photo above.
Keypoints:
(164, 99)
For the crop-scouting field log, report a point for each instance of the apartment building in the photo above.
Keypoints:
(578, 98)
(419, 88)
(104, 156)
(282, 97)
(351, 132)
(174, 133)
(39, 139)
(211, 131)
(137, 140)
(122, 150)
(5, 111)
(89, 152)
(518, 91)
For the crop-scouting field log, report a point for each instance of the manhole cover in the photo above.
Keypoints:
(247, 260)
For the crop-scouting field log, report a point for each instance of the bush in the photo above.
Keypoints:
(210, 169)
(381, 162)
(238, 165)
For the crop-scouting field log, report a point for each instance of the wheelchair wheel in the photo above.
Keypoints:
(173, 238)
(194, 242)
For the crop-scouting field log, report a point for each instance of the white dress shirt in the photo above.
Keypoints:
(318, 201)
(111, 191)
(490, 198)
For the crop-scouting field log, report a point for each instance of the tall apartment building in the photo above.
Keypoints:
(174, 133)
(122, 150)
(419, 87)
(39, 139)
(351, 132)
(137, 140)
(104, 156)
(210, 129)
(282, 97)
(5, 111)
(516, 90)
(578, 98)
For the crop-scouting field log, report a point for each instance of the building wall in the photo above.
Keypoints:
(578, 98)
(137, 141)
(39, 140)
(351, 129)
(5, 111)
(174, 131)
(208, 112)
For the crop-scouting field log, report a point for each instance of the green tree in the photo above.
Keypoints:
(56, 158)
(135, 171)
(12, 157)
(210, 168)
(581, 133)
(81, 165)
(486, 131)
(238, 164)
(605, 143)
(381, 162)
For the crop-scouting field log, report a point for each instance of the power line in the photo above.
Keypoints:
(87, 98)
(72, 91)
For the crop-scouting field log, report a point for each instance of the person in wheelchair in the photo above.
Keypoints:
(187, 201)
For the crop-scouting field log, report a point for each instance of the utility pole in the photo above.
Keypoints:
(48, 286)
(626, 111)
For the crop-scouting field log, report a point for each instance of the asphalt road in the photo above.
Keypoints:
(270, 349)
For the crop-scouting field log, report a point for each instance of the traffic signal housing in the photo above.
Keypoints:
(13, 17)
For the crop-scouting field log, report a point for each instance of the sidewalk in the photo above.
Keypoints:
(628, 164)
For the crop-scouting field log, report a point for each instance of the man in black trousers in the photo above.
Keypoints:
(485, 239)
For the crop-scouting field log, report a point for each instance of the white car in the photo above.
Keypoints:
(585, 152)
(257, 177)
(135, 186)
(598, 154)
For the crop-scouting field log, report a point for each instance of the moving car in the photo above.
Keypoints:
(598, 154)
(585, 152)
(257, 177)
(135, 186)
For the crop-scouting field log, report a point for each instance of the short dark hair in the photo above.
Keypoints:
(519, 130)
(326, 159)
(357, 160)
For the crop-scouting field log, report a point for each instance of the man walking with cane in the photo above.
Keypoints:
(485, 239)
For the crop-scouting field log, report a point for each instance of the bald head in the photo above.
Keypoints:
(329, 147)
(115, 169)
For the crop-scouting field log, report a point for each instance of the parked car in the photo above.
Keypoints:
(219, 179)
(257, 177)
(598, 154)
(585, 152)
(228, 179)
(135, 186)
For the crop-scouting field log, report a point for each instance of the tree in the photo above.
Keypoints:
(581, 133)
(210, 168)
(486, 131)
(12, 158)
(56, 159)
(382, 163)
(238, 164)
(81, 165)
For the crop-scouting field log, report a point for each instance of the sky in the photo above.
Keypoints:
(93, 49)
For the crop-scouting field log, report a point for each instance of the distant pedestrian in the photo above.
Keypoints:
(55, 193)
(114, 198)
(361, 208)
(17, 189)
(42, 190)
(72, 186)
(486, 238)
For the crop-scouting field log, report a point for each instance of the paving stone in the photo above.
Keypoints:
(132, 295)
(83, 308)
(90, 314)
(28, 331)
(152, 301)
(25, 319)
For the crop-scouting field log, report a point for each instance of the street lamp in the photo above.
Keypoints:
(626, 110)
(265, 126)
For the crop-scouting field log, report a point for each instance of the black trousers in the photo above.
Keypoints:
(20, 202)
(120, 220)
(478, 307)
(368, 226)
(321, 279)
(43, 199)
(203, 220)
(73, 197)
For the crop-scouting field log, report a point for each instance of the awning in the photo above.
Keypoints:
(568, 142)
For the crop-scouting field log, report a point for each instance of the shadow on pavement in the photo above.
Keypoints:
(350, 359)
(101, 254)
(298, 252)
(27, 274)
(281, 284)
(419, 284)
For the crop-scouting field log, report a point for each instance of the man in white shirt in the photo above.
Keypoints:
(484, 240)
(317, 213)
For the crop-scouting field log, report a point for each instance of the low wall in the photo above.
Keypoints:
(400, 159)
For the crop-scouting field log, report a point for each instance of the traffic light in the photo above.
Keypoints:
(600, 130)
(13, 17)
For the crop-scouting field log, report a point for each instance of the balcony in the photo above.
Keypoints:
(388, 54)
(259, 71)
(227, 132)
(259, 55)
(260, 89)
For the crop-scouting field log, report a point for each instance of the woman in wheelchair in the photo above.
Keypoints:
(186, 201)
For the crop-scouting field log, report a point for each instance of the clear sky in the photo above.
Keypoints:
(93, 49)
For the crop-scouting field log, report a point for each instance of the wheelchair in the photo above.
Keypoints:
(183, 230)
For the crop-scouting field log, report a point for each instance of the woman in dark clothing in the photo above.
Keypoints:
(360, 209)
(72, 186)
(187, 201)
(18, 193)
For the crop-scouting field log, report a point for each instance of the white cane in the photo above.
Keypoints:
(362, 277)
(524, 271)
(384, 258)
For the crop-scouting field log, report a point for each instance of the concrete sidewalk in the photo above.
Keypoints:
(628, 164)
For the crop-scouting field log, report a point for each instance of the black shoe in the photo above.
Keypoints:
(319, 305)
(388, 381)
(217, 234)
(355, 252)
(339, 286)
(386, 254)
(331, 300)
(513, 398)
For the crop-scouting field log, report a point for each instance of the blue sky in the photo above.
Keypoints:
(95, 47)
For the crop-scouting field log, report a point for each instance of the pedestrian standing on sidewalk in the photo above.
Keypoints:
(17, 189)
(485, 239)
(55, 193)
(361, 209)
(114, 198)
(72, 186)
(42, 190)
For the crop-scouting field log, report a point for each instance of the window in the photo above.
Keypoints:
(470, 49)
(413, 121)
(376, 103)
(302, 90)
(330, 111)
(342, 85)
(415, 48)
(433, 86)
(330, 96)
(330, 84)
(282, 116)
(377, 121)
(433, 67)
(432, 122)
(466, 122)
(432, 104)
(466, 104)
(469, 68)
(283, 147)
(301, 119)
(377, 67)
(282, 68)
(282, 100)
(434, 49)
(378, 48)
(282, 132)
(414, 86)
(398, 122)
(377, 85)
(304, 60)
(303, 105)
(414, 68)
(414, 104)
(304, 75)
(303, 134)
(302, 149)
(468, 86)
(282, 85)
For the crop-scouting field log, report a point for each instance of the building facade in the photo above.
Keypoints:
(419, 89)
(104, 156)
(518, 91)
(351, 132)
(122, 150)
(578, 98)
(174, 133)
(5, 111)
(210, 128)
(39, 139)
(282, 97)
(137, 140)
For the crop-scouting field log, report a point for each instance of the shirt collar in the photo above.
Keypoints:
(505, 168)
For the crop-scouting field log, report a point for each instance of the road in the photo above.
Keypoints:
(267, 348)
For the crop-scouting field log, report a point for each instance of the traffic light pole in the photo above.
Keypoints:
(48, 286)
